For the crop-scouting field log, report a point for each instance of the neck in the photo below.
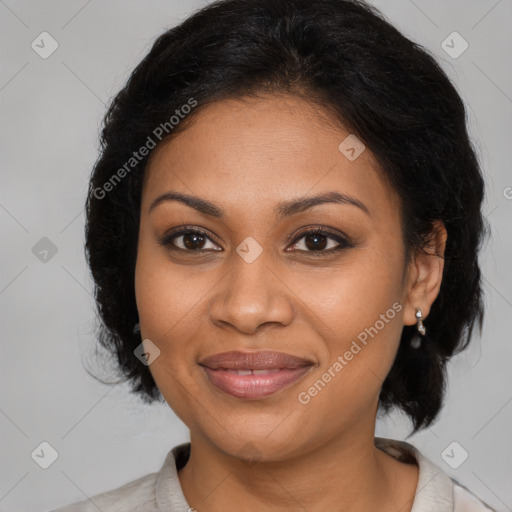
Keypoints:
(346, 473)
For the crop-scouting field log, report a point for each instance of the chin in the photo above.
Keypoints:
(268, 441)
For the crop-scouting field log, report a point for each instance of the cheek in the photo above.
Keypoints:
(168, 297)
(346, 387)
(352, 296)
(169, 303)
(159, 315)
(358, 312)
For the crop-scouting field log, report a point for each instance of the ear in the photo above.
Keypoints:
(425, 274)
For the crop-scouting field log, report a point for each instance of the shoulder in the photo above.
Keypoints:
(465, 501)
(137, 495)
(436, 491)
(155, 492)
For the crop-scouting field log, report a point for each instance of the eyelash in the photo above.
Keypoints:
(167, 240)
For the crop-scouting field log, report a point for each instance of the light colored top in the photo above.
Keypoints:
(161, 491)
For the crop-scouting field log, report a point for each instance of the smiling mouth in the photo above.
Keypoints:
(254, 375)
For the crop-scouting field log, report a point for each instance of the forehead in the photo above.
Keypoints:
(260, 151)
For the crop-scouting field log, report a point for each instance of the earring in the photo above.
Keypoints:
(417, 339)
(419, 323)
(136, 328)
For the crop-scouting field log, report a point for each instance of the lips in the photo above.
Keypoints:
(263, 360)
(254, 375)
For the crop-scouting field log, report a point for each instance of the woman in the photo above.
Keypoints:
(283, 228)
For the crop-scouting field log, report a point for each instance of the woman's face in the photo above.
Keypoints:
(251, 281)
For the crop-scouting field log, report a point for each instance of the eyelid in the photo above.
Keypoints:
(318, 228)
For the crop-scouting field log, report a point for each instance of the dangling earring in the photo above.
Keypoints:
(416, 339)
(419, 324)
(136, 328)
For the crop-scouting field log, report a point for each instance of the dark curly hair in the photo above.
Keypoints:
(344, 56)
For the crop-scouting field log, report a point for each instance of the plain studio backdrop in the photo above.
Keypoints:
(53, 96)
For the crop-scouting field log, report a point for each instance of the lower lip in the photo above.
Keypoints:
(254, 386)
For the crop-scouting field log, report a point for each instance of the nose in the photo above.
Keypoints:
(252, 297)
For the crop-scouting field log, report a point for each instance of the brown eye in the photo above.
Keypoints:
(315, 241)
(320, 241)
(191, 240)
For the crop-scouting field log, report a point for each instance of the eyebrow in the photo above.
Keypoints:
(283, 209)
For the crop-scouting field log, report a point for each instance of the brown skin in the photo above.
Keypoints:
(247, 156)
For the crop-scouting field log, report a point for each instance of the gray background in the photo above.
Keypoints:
(51, 111)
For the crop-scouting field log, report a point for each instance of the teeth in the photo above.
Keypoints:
(254, 372)
(264, 372)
